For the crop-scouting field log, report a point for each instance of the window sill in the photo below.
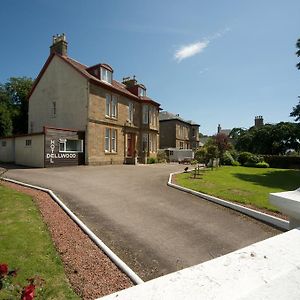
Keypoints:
(110, 153)
(111, 118)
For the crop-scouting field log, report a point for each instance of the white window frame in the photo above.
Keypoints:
(114, 107)
(63, 143)
(130, 111)
(107, 105)
(113, 135)
(107, 140)
(145, 114)
(28, 142)
(105, 75)
(141, 92)
(110, 140)
(111, 106)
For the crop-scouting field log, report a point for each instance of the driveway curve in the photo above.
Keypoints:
(154, 228)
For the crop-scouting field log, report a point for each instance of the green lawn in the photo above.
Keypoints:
(242, 184)
(25, 243)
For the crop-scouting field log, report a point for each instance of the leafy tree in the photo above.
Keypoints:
(221, 140)
(296, 111)
(298, 52)
(270, 139)
(5, 121)
(13, 98)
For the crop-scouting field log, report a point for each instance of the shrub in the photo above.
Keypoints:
(234, 154)
(284, 162)
(248, 159)
(244, 157)
(227, 159)
(151, 160)
(262, 164)
(194, 162)
(235, 163)
(200, 155)
(161, 156)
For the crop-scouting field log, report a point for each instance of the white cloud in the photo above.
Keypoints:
(190, 50)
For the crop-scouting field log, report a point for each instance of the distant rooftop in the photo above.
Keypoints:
(165, 115)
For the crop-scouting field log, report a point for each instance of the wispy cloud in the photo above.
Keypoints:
(203, 71)
(189, 50)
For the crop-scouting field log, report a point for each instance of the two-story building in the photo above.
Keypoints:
(86, 116)
(176, 132)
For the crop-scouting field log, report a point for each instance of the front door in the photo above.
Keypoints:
(129, 145)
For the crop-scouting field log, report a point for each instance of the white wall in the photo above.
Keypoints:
(7, 152)
(32, 156)
(64, 85)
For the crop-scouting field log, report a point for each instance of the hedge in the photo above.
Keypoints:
(283, 162)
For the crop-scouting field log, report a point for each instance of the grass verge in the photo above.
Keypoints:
(250, 186)
(25, 244)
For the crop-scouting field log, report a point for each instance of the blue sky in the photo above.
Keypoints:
(210, 61)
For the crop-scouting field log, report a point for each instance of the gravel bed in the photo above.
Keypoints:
(90, 272)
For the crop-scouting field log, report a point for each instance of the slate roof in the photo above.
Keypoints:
(82, 69)
(166, 116)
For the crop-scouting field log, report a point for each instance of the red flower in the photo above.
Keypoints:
(3, 269)
(28, 292)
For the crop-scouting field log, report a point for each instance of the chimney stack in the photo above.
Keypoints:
(258, 121)
(59, 45)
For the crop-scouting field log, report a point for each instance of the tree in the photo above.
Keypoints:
(221, 140)
(298, 52)
(14, 100)
(296, 110)
(5, 121)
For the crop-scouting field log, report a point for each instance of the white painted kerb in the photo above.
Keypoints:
(280, 223)
(119, 263)
(269, 269)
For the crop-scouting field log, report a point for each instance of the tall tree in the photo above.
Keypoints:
(296, 110)
(14, 99)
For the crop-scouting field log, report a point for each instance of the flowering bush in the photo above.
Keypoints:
(23, 293)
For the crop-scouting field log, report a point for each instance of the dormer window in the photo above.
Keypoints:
(141, 92)
(105, 75)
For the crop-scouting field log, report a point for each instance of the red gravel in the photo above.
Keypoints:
(90, 272)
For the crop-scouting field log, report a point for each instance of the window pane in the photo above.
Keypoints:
(107, 105)
(73, 145)
(130, 112)
(114, 140)
(107, 139)
(106, 75)
(145, 114)
(62, 146)
(145, 142)
(114, 109)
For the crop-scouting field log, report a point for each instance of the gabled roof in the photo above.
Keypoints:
(167, 116)
(116, 86)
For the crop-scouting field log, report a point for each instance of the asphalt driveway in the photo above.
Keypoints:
(154, 228)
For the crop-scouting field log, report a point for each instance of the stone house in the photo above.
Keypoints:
(102, 120)
(176, 132)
